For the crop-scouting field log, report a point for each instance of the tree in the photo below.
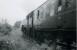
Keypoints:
(5, 28)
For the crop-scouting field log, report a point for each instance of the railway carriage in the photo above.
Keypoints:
(51, 17)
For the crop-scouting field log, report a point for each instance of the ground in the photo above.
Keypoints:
(16, 39)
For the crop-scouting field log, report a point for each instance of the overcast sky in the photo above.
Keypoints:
(15, 10)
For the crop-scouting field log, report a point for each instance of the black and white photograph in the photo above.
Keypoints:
(38, 25)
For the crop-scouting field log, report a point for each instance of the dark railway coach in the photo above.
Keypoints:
(58, 16)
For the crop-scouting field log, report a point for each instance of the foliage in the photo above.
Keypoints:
(5, 28)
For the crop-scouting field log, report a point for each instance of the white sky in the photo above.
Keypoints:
(15, 10)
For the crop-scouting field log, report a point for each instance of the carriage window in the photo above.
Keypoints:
(59, 8)
(60, 5)
(37, 14)
(68, 3)
(64, 4)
